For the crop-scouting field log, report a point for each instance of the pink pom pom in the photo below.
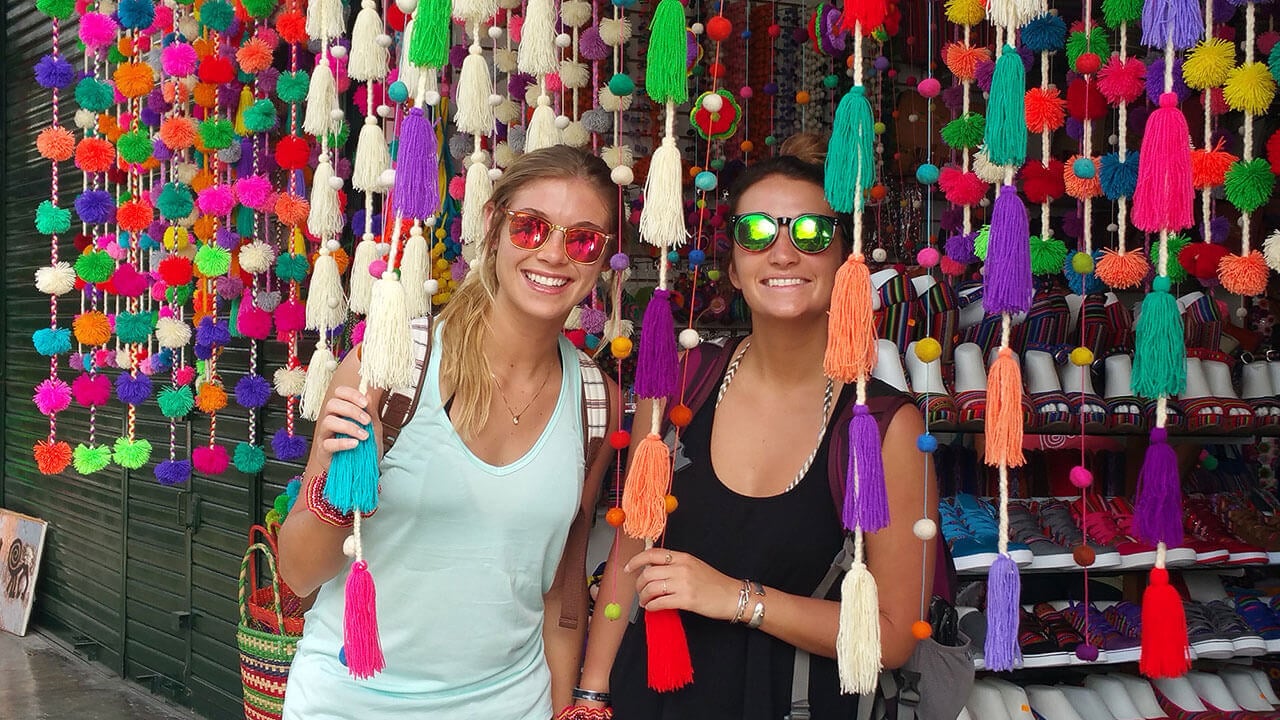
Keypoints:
(158, 289)
(178, 59)
(116, 251)
(929, 87)
(252, 321)
(357, 333)
(928, 257)
(216, 200)
(515, 24)
(52, 396)
(210, 460)
(255, 192)
(456, 186)
(1217, 102)
(145, 367)
(1081, 477)
(960, 187)
(1267, 41)
(1122, 81)
(291, 315)
(184, 375)
(91, 390)
(554, 83)
(166, 312)
(268, 36)
(377, 267)
(128, 281)
(104, 358)
(97, 30)
(163, 21)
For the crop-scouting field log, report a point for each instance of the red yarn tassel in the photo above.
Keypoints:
(1165, 652)
(851, 330)
(669, 665)
(360, 625)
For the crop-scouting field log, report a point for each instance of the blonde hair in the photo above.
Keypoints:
(464, 367)
(806, 146)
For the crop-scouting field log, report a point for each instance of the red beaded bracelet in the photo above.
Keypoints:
(322, 508)
(578, 712)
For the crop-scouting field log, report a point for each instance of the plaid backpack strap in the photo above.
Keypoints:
(595, 423)
(397, 406)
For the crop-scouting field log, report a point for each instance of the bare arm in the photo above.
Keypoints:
(311, 549)
(563, 646)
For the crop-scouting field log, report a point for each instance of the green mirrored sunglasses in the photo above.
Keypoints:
(810, 233)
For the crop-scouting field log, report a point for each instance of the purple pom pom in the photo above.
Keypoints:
(133, 389)
(227, 239)
(173, 472)
(457, 54)
(150, 117)
(953, 98)
(288, 447)
(253, 391)
(951, 220)
(985, 71)
(591, 46)
(53, 71)
(267, 81)
(518, 83)
(212, 332)
(160, 151)
(1155, 81)
(960, 248)
(96, 206)
(229, 288)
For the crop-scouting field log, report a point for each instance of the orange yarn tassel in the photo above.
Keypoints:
(851, 329)
(644, 495)
(1004, 411)
(1165, 652)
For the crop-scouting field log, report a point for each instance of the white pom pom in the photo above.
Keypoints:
(697, 28)
(575, 135)
(384, 111)
(563, 40)
(494, 174)
(58, 279)
(256, 257)
(574, 75)
(431, 286)
(186, 172)
(335, 182)
(575, 13)
(615, 32)
(495, 99)
(879, 255)
(689, 338)
(924, 529)
(338, 51)
(713, 102)
(1271, 250)
(617, 156)
(86, 120)
(562, 122)
(503, 155)
(507, 113)
(431, 97)
(407, 6)
(172, 333)
(495, 32)
(326, 303)
(531, 94)
(613, 103)
(124, 359)
(506, 60)
(349, 546)
(622, 175)
(290, 381)
(319, 373)
(984, 168)
(187, 23)
(387, 178)
(384, 40)
(538, 54)
(617, 328)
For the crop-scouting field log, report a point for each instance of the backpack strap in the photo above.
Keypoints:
(595, 423)
(397, 406)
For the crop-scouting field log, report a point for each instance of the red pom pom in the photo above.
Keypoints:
(1201, 259)
(83, 242)
(292, 27)
(396, 18)
(1088, 63)
(961, 188)
(1209, 167)
(175, 270)
(1045, 109)
(1273, 152)
(216, 70)
(1084, 101)
(292, 152)
(134, 216)
(1122, 81)
(1042, 183)
(52, 457)
(719, 28)
(619, 439)
(95, 155)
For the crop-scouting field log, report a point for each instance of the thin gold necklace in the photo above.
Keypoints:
(515, 416)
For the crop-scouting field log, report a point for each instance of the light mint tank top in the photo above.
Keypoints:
(462, 553)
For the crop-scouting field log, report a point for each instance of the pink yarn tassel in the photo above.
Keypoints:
(1164, 197)
(360, 624)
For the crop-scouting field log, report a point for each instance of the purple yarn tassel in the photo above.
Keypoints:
(1007, 279)
(657, 368)
(1178, 20)
(1158, 511)
(417, 193)
(866, 503)
(1004, 588)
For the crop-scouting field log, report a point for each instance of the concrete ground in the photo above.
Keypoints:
(40, 680)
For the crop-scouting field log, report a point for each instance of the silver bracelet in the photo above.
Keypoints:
(757, 616)
(590, 695)
(744, 594)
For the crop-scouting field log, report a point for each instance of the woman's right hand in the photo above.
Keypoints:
(345, 414)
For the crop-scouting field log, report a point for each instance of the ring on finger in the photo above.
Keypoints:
(668, 558)
(665, 591)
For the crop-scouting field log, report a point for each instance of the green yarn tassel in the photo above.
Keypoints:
(665, 76)
(850, 167)
(1006, 131)
(1249, 184)
(131, 454)
(429, 45)
(1115, 12)
(1160, 358)
(965, 131)
(89, 459)
(1047, 255)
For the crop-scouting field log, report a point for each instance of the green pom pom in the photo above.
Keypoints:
(1159, 363)
(176, 402)
(114, 56)
(965, 131)
(60, 9)
(51, 219)
(131, 454)
(291, 87)
(1249, 184)
(135, 147)
(259, 8)
(1175, 272)
(135, 327)
(339, 138)
(217, 133)
(93, 95)
(1047, 255)
(1115, 12)
(250, 459)
(89, 459)
(429, 44)
(291, 267)
(217, 15)
(1273, 62)
(213, 261)
(980, 243)
(261, 116)
(281, 504)
(175, 201)
(94, 266)
(664, 74)
(178, 295)
(1095, 42)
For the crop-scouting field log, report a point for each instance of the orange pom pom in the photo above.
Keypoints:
(178, 133)
(134, 216)
(211, 398)
(680, 415)
(56, 144)
(851, 331)
(878, 192)
(921, 630)
(254, 56)
(134, 80)
(1046, 111)
(1243, 275)
(292, 27)
(1004, 411)
(1209, 167)
(291, 209)
(1083, 555)
(205, 95)
(644, 493)
(91, 328)
(1122, 271)
(615, 517)
(109, 128)
(1078, 187)
(203, 179)
(204, 227)
(52, 457)
(670, 503)
(95, 155)
(963, 60)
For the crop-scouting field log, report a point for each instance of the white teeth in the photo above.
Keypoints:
(548, 281)
(783, 282)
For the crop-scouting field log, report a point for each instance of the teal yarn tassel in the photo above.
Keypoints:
(1006, 131)
(1160, 358)
(352, 483)
(849, 153)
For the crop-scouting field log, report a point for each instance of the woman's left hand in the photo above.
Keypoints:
(679, 581)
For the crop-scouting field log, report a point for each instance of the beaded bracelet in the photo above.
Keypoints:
(321, 507)
(578, 712)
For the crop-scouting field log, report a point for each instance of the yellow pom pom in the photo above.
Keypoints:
(1208, 63)
(1081, 357)
(1249, 88)
(620, 347)
(1082, 263)
(965, 12)
(928, 350)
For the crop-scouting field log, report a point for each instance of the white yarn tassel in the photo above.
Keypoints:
(415, 267)
(474, 198)
(662, 219)
(361, 280)
(474, 11)
(322, 97)
(858, 641)
(407, 72)
(475, 85)
(324, 19)
(387, 359)
(368, 58)
(326, 305)
(319, 373)
(542, 131)
(1271, 250)
(372, 157)
(325, 217)
(538, 52)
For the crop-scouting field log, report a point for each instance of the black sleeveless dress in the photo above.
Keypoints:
(786, 542)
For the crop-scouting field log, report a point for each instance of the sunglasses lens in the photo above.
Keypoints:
(812, 233)
(584, 245)
(755, 231)
(527, 231)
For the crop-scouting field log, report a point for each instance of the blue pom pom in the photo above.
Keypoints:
(1076, 281)
(288, 447)
(173, 472)
(136, 14)
(162, 361)
(51, 341)
(1083, 168)
(1046, 33)
(342, 656)
(592, 342)
(697, 257)
(253, 391)
(203, 351)
(1118, 179)
(927, 174)
(294, 488)
(673, 256)
(212, 332)
(53, 71)
(133, 389)
(926, 443)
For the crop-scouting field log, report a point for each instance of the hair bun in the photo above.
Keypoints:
(806, 147)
